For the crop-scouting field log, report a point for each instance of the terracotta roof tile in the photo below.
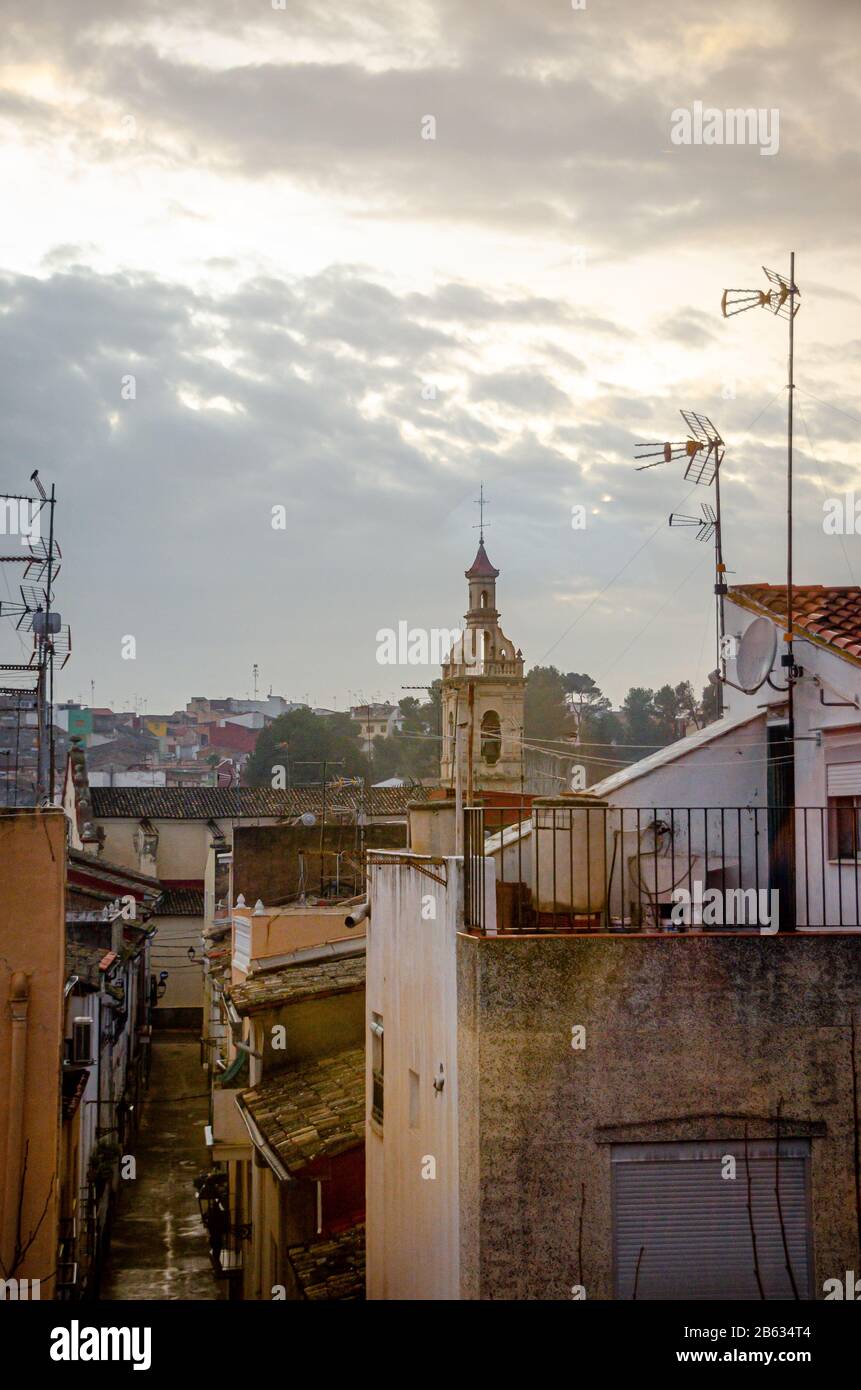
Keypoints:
(181, 902)
(829, 613)
(268, 988)
(315, 1110)
(232, 803)
(333, 1268)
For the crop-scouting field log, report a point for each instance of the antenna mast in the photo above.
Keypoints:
(30, 686)
(704, 450)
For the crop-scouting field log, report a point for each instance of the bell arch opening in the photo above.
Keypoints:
(491, 738)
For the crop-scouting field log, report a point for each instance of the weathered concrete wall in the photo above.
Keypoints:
(686, 1037)
(266, 861)
(469, 1127)
(316, 1028)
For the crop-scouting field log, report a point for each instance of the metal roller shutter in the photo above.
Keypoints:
(693, 1226)
(844, 779)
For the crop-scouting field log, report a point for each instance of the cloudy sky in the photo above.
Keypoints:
(322, 309)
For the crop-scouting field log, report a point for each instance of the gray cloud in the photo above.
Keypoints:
(552, 135)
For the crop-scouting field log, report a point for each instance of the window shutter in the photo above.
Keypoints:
(689, 1226)
(844, 779)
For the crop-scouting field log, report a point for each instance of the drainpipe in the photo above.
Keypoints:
(19, 1001)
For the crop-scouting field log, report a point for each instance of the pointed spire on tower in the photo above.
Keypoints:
(481, 566)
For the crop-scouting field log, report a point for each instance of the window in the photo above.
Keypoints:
(844, 826)
(682, 1221)
(377, 1067)
(844, 810)
(414, 1099)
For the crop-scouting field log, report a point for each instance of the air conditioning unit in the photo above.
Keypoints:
(82, 1042)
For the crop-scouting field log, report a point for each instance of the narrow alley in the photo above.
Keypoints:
(158, 1247)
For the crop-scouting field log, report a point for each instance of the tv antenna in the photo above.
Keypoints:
(31, 686)
(703, 451)
(707, 523)
(781, 300)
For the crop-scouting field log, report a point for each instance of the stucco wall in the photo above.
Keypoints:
(840, 740)
(32, 941)
(412, 1222)
(730, 771)
(685, 1038)
(169, 951)
(182, 846)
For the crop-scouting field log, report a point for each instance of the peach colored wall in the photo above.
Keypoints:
(276, 934)
(280, 933)
(32, 941)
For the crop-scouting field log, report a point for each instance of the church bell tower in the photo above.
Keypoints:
(483, 690)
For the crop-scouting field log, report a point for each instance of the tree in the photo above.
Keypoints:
(582, 695)
(667, 707)
(300, 742)
(688, 707)
(599, 747)
(640, 722)
(709, 704)
(546, 714)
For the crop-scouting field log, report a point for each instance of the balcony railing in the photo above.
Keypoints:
(590, 867)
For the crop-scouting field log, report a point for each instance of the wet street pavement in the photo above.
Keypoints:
(159, 1248)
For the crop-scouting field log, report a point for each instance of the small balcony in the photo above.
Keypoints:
(564, 866)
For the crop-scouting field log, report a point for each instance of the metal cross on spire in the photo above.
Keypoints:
(481, 503)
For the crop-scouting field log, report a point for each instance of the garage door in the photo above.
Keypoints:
(689, 1228)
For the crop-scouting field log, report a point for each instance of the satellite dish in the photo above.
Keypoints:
(308, 818)
(756, 653)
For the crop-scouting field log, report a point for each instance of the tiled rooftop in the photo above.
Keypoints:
(830, 613)
(314, 1110)
(85, 960)
(233, 803)
(333, 1268)
(268, 988)
(181, 902)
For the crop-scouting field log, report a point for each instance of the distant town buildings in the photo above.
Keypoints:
(565, 1044)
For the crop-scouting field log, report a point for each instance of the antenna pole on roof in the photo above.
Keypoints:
(704, 450)
(31, 685)
(781, 299)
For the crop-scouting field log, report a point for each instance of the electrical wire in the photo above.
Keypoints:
(657, 613)
(828, 405)
(621, 763)
(822, 487)
(646, 542)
